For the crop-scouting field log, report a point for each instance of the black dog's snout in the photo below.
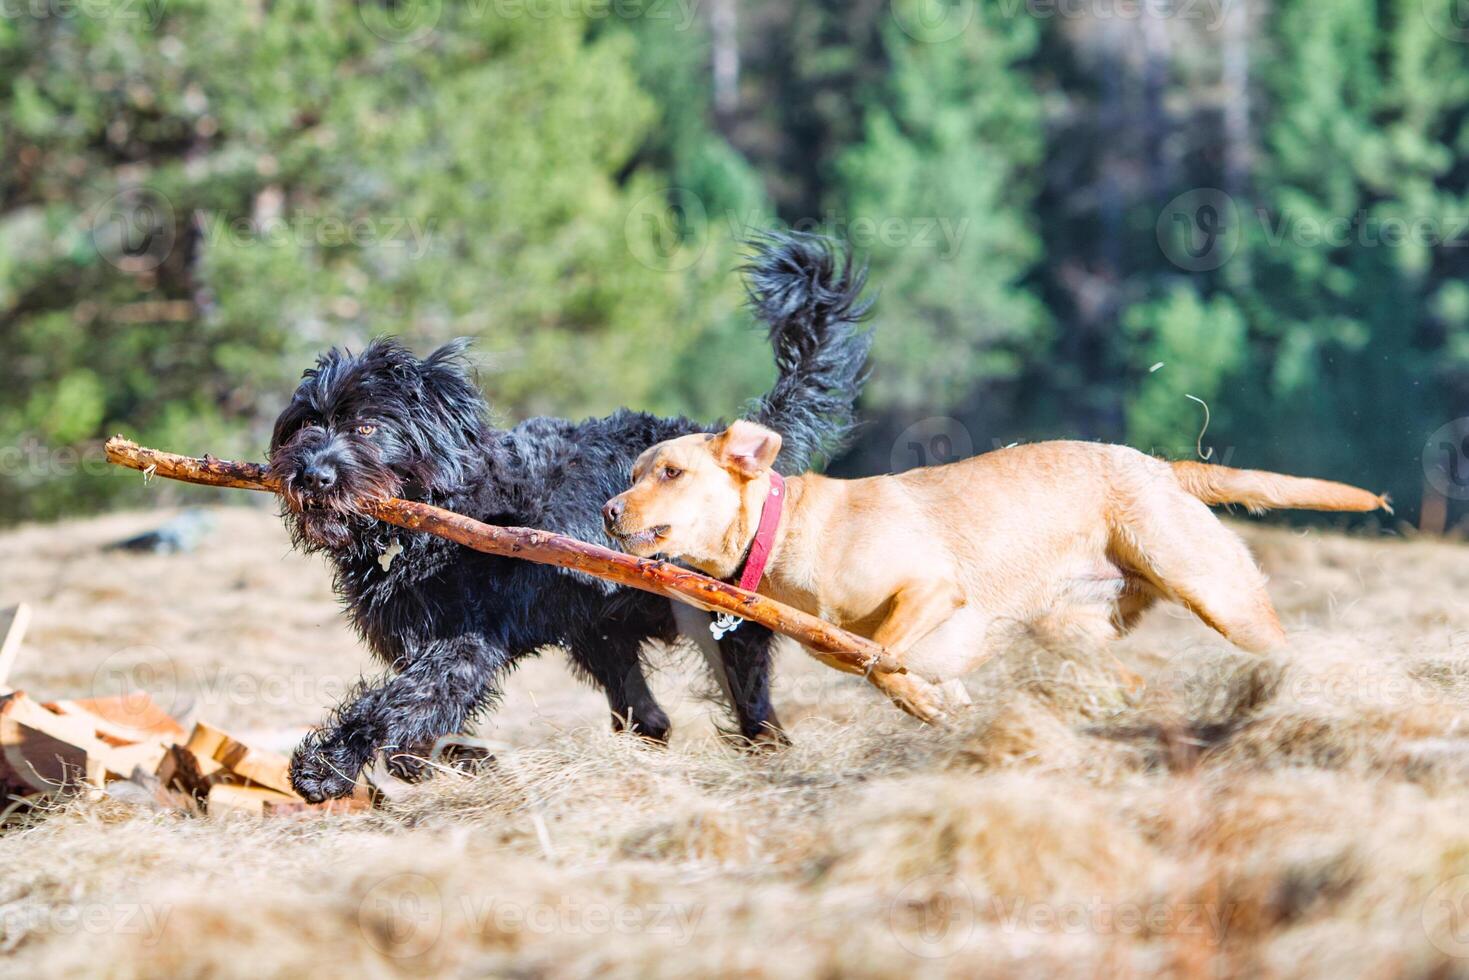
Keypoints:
(611, 511)
(319, 475)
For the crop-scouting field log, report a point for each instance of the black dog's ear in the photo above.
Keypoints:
(456, 411)
(455, 352)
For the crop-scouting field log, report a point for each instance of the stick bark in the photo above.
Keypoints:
(650, 575)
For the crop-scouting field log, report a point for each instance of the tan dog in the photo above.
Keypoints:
(1070, 540)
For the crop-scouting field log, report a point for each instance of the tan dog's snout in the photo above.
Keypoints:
(612, 512)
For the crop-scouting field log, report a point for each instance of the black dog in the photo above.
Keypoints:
(449, 621)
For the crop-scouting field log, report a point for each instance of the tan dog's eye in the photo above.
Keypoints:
(672, 472)
(366, 430)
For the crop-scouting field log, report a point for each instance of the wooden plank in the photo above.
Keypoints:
(205, 740)
(43, 752)
(180, 769)
(120, 761)
(257, 765)
(268, 769)
(134, 717)
(13, 624)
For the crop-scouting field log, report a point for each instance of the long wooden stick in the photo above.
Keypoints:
(658, 577)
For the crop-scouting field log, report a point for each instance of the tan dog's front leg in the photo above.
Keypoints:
(918, 697)
(917, 610)
(924, 701)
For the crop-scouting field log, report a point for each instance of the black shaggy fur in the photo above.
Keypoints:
(449, 621)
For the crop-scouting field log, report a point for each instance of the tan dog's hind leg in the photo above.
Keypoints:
(1181, 547)
(1090, 630)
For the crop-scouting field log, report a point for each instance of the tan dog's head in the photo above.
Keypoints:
(696, 497)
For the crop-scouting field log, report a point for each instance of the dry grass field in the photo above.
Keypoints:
(1306, 815)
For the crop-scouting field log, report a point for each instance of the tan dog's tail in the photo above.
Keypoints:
(1260, 490)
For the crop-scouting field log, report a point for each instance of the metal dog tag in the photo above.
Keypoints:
(724, 624)
(385, 558)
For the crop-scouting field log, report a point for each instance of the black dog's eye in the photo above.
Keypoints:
(311, 424)
(672, 472)
(366, 430)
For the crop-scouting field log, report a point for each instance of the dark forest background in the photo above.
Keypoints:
(1085, 218)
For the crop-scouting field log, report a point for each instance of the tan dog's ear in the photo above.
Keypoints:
(746, 448)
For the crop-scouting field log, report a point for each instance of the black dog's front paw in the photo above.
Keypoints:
(409, 766)
(320, 772)
(453, 752)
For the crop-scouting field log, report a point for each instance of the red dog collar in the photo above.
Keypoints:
(764, 534)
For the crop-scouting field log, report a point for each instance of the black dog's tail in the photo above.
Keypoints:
(811, 297)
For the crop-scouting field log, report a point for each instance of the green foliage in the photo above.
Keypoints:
(308, 183)
(1187, 347)
(940, 185)
(199, 196)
